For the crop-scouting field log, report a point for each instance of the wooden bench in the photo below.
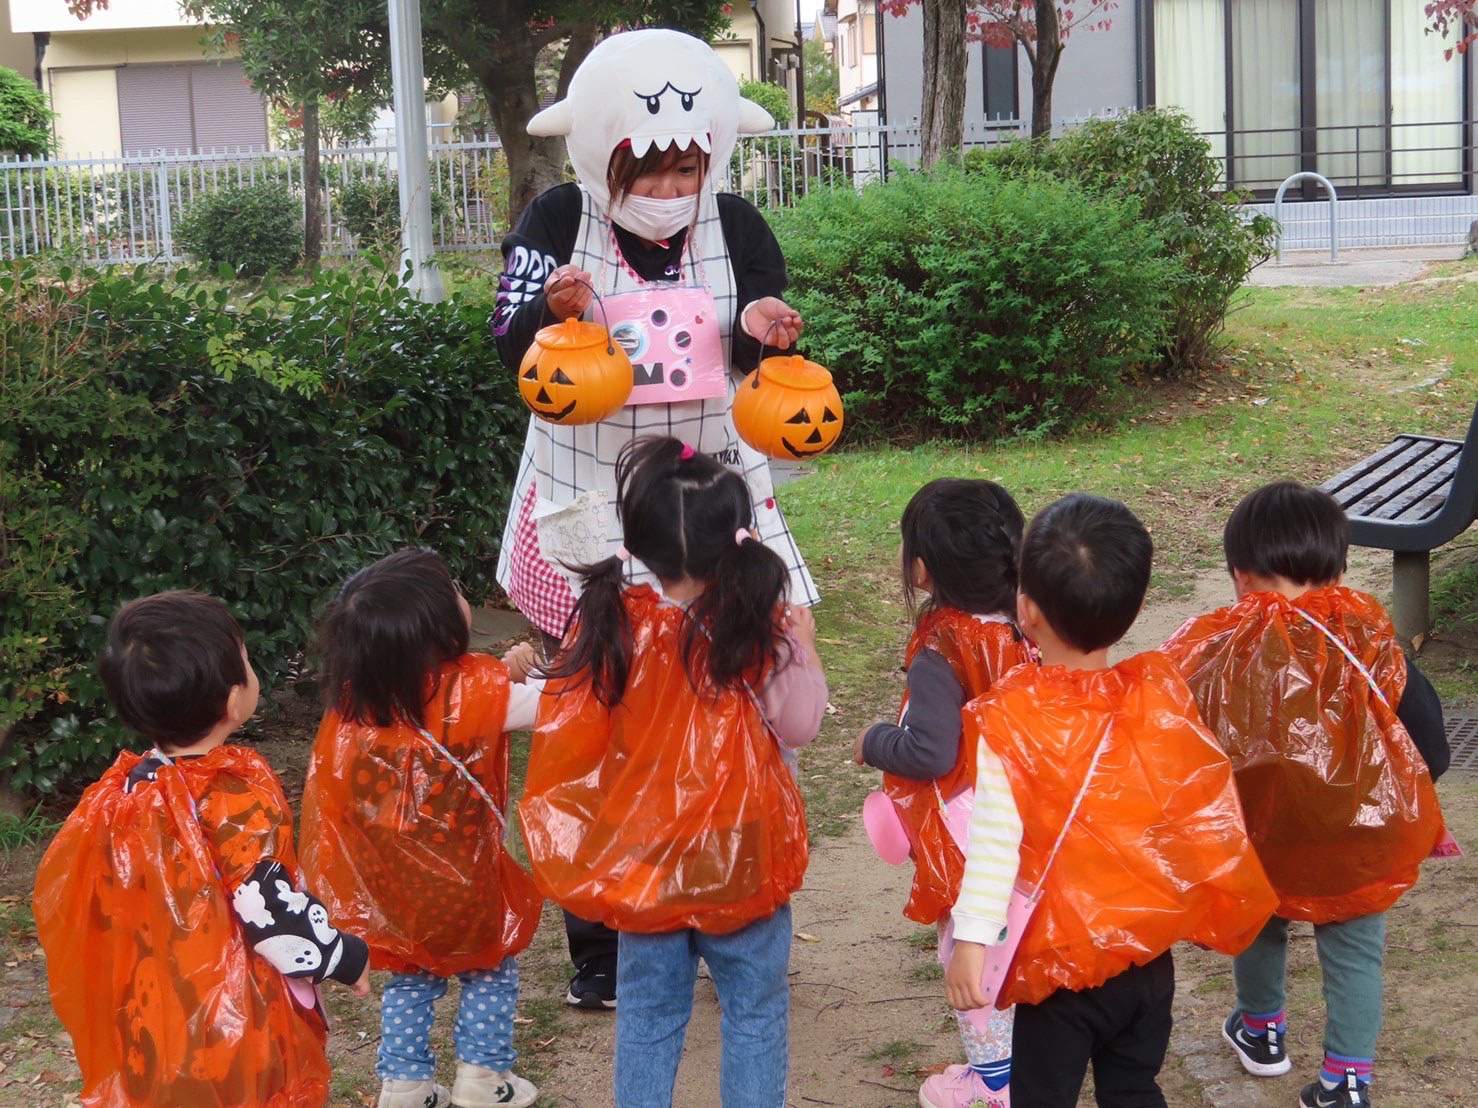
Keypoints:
(1410, 498)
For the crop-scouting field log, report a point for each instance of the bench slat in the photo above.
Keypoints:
(1335, 486)
(1412, 451)
(1407, 506)
(1386, 500)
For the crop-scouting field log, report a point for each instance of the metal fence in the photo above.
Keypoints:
(125, 209)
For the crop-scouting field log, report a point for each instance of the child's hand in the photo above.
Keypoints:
(962, 978)
(857, 745)
(521, 661)
(361, 987)
(801, 624)
(773, 322)
(564, 294)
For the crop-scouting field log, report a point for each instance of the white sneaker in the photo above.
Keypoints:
(402, 1093)
(480, 1087)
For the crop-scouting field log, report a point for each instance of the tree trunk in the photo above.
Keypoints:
(312, 186)
(534, 164)
(1044, 67)
(945, 62)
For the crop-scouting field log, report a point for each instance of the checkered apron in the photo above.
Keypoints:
(559, 464)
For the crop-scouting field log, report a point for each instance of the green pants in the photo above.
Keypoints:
(1350, 955)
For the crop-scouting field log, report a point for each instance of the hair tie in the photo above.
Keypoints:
(623, 554)
(687, 454)
(741, 535)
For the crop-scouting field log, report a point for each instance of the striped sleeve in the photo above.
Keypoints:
(992, 855)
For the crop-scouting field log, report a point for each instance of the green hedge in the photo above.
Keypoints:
(1157, 159)
(254, 229)
(972, 304)
(159, 435)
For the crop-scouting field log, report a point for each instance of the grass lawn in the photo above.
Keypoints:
(1316, 379)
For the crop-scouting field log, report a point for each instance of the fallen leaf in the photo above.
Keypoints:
(806, 937)
(889, 1071)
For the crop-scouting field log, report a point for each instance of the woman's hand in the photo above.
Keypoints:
(962, 978)
(773, 322)
(857, 746)
(565, 295)
(361, 987)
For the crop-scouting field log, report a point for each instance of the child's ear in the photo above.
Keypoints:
(920, 575)
(1242, 583)
(1028, 615)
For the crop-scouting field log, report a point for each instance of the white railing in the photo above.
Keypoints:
(126, 208)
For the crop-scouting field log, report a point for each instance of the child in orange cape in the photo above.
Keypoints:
(1132, 837)
(1329, 728)
(403, 823)
(181, 946)
(659, 799)
(961, 541)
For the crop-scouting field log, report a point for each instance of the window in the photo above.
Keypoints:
(188, 108)
(1355, 89)
(998, 71)
(852, 55)
(867, 15)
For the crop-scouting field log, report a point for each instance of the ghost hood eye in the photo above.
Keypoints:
(654, 99)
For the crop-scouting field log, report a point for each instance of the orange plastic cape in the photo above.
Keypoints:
(149, 969)
(672, 810)
(1338, 800)
(980, 652)
(1158, 851)
(403, 850)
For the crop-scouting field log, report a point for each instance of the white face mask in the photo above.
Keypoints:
(655, 219)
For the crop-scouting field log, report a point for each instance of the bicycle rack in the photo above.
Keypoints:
(1309, 175)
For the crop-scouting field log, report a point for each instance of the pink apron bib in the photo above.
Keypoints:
(671, 334)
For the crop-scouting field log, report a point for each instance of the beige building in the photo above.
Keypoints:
(17, 52)
(135, 78)
(763, 43)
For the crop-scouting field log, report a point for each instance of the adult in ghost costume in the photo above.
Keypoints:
(650, 120)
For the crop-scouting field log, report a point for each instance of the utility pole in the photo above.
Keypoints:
(412, 161)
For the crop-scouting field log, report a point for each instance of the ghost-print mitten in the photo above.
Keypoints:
(291, 929)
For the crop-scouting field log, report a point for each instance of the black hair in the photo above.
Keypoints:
(170, 664)
(1085, 562)
(1288, 530)
(968, 535)
(385, 637)
(680, 513)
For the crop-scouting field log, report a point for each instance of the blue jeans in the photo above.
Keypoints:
(484, 1031)
(1350, 957)
(654, 981)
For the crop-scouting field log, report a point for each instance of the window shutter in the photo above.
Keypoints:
(228, 111)
(154, 108)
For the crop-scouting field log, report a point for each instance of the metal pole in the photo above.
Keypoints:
(412, 161)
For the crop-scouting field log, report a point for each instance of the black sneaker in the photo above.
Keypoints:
(593, 986)
(1351, 1094)
(1260, 1055)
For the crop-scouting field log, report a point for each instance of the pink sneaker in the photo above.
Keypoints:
(961, 1087)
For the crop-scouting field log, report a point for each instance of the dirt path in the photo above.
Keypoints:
(869, 1019)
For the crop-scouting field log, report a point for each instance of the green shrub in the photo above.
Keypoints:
(772, 98)
(973, 304)
(25, 120)
(255, 229)
(161, 435)
(369, 209)
(1157, 158)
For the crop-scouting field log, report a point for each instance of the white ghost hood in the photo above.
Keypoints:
(656, 89)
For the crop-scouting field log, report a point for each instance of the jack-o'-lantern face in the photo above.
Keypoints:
(573, 373)
(789, 408)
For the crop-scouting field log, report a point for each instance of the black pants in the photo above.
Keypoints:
(1122, 1027)
(589, 942)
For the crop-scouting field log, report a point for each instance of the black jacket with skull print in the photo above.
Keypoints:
(545, 240)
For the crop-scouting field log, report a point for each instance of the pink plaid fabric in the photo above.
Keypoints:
(538, 589)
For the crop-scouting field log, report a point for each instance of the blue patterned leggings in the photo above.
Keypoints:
(484, 1031)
